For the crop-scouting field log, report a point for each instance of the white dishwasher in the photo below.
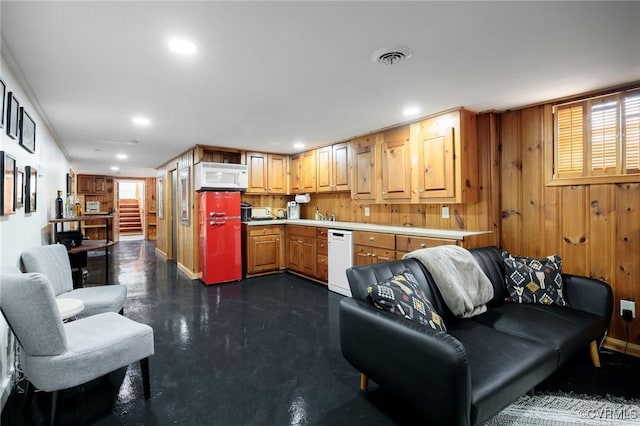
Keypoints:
(340, 258)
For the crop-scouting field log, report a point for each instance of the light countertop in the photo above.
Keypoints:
(355, 226)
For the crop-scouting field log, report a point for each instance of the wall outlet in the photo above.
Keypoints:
(445, 212)
(367, 211)
(630, 305)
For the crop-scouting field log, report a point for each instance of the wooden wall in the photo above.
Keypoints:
(594, 228)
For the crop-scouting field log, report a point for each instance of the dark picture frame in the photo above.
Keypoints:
(13, 116)
(7, 184)
(19, 187)
(27, 131)
(184, 190)
(30, 189)
(69, 183)
(3, 104)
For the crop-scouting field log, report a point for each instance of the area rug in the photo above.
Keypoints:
(566, 409)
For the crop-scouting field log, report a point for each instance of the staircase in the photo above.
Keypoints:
(130, 222)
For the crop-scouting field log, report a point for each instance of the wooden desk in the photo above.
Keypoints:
(88, 245)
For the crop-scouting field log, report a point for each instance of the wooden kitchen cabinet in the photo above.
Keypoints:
(267, 173)
(364, 183)
(88, 184)
(373, 247)
(262, 246)
(322, 253)
(334, 167)
(301, 249)
(303, 172)
(408, 243)
(446, 159)
(396, 164)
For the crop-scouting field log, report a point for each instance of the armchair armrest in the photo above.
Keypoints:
(589, 295)
(429, 369)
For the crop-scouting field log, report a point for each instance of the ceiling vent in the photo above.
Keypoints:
(389, 56)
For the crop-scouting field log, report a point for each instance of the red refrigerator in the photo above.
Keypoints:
(220, 242)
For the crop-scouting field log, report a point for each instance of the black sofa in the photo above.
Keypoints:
(481, 364)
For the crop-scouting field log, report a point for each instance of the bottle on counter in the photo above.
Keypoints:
(78, 208)
(59, 206)
(317, 216)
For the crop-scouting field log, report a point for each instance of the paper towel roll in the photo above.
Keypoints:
(303, 198)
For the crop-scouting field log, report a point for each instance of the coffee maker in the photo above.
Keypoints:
(293, 210)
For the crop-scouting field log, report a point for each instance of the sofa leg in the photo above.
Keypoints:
(364, 382)
(146, 385)
(595, 354)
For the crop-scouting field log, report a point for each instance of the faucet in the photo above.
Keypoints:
(332, 217)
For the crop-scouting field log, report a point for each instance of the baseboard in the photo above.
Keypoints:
(622, 346)
(187, 272)
(161, 253)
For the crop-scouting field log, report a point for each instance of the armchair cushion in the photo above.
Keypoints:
(52, 261)
(107, 298)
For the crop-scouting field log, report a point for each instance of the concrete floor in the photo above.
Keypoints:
(264, 351)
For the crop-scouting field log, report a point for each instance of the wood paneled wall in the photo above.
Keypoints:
(594, 228)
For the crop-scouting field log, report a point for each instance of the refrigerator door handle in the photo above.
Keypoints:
(214, 223)
(213, 214)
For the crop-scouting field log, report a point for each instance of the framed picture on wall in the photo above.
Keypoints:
(184, 190)
(19, 187)
(13, 116)
(27, 131)
(3, 108)
(160, 196)
(30, 189)
(8, 189)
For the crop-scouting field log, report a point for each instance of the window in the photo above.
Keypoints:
(598, 137)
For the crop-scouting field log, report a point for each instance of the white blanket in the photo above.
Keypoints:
(464, 287)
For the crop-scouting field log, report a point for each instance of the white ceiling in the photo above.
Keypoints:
(268, 74)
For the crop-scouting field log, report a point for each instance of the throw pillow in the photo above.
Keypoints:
(401, 295)
(534, 280)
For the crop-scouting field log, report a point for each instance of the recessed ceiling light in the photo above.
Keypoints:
(121, 156)
(115, 168)
(298, 145)
(410, 111)
(182, 46)
(141, 121)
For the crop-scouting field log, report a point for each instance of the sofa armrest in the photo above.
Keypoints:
(428, 369)
(589, 295)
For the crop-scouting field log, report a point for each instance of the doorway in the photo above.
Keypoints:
(131, 209)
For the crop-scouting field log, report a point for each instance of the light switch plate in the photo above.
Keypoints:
(367, 211)
(445, 212)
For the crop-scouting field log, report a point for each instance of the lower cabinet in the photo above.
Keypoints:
(408, 243)
(262, 248)
(301, 249)
(373, 247)
(322, 251)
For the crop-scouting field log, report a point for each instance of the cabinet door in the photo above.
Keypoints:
(364, 177)
(323, 267)
(101, 184)
(362, 255)
(277, 174)
(309, 258)
(342, 166)
(294, 253)
(257, 165)
(263, 254)
(396, 164)
(325, 169)
(382, 255)
(295, 179)
(85, 184)
(308, 171)
(436, 164)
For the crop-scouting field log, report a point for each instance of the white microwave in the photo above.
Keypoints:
(224, 176)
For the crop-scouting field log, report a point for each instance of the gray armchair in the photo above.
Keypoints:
(58, 356)
(53, 261)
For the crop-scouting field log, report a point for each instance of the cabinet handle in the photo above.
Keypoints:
(371, 238)
(423, 245)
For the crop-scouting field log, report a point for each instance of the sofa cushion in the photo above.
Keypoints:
(531, 280)
(566, 330)
(490, 261)
(401, 295)
(502, 366)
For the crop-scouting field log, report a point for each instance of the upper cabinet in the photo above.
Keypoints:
(94, 184)
(396, 164)
(303, 172)
(334, 164)
(366, 160)
(267, 173)
(445, 157)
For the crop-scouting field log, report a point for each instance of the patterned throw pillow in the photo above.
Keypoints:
(534, 280)
(401, 295)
